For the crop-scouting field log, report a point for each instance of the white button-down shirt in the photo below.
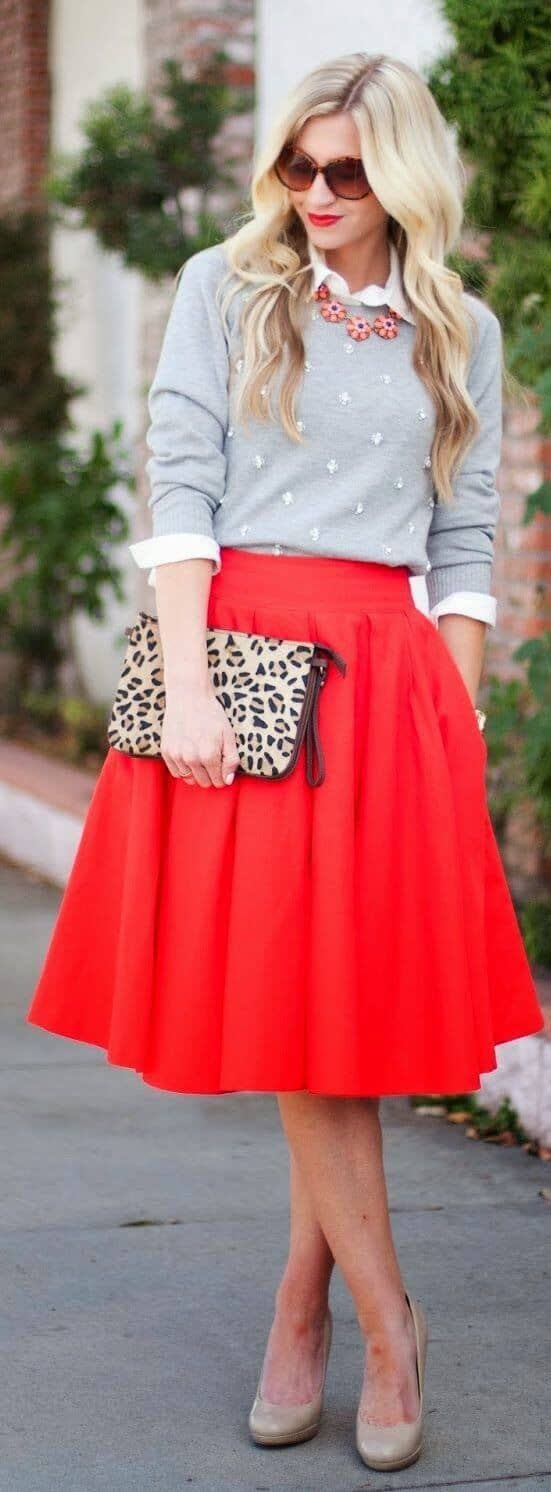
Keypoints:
(168, 548)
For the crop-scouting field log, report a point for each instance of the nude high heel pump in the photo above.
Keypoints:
(388, 1447)
(286, 1424)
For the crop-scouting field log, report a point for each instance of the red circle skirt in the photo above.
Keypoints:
(355, 938)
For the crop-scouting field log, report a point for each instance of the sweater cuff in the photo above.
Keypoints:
(443, 580)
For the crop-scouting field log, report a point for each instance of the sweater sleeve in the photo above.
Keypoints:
(188, 407)
(460, 542)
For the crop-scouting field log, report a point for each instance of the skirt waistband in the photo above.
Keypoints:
(300, 579)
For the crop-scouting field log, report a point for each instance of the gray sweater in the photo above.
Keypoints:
(359, 486)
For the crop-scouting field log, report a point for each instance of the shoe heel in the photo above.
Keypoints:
(288, 1424)
(390, 1447)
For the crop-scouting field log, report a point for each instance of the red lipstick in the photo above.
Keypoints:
(323, 219)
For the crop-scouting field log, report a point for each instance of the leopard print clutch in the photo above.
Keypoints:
(268, 687)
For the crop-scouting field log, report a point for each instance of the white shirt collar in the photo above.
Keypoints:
(390, 294)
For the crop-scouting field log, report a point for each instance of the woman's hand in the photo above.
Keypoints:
(197, 734)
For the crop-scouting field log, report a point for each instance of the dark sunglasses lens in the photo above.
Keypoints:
(347, 178)
(294, 170)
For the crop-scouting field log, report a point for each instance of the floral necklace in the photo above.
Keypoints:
(357, 327)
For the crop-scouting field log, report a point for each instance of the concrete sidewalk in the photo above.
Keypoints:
(143, 1238)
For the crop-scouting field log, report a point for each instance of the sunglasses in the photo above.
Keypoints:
(345, 176)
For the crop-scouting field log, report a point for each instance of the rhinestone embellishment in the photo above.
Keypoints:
(345, 398)
(411, 527)
(399, 482)
(301, 425)
(376, 438)
(244, 528)
(307, 366)
(385, 378)
(259, 461)
(428, 565)
(359, 508)
(230, 432)
(387, 548)
(421, 414)
(427, 463)
(287, 498)
(314, 533)
(276, 549)
(332, 465)
(239, 364)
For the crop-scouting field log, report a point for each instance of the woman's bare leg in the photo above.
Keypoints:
(338, 1145)
(293, 1361)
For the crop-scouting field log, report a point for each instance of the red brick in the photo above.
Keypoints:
(521, 420)
(529, 567)
(521, 451)
(24, 86)
(516, 625)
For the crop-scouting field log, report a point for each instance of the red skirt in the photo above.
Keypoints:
(356, 938)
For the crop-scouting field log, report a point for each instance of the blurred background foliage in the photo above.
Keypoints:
(137, 163)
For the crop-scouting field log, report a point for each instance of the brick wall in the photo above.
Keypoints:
(522, 572)
(189, 30)
(522, 569)
(24, 89)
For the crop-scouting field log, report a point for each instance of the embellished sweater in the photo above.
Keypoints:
(359, 484)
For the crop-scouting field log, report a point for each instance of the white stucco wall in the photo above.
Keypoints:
(94, 45)
(295, 37)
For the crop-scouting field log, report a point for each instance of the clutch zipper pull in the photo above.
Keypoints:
(323, 655)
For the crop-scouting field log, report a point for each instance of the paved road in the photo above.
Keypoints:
(143, 1235)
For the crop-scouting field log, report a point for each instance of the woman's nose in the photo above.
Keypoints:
(319, 198)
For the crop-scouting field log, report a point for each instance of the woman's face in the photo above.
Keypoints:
(324, 138)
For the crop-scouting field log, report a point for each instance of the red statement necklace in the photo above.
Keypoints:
(357, 327)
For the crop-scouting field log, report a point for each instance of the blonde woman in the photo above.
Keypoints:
(325, 424)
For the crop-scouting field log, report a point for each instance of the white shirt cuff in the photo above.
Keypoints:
(165, 549)
(468, 603)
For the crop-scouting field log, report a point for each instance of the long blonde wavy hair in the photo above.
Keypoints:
(413, 167)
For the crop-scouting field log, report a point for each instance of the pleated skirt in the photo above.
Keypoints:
(355, 938)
